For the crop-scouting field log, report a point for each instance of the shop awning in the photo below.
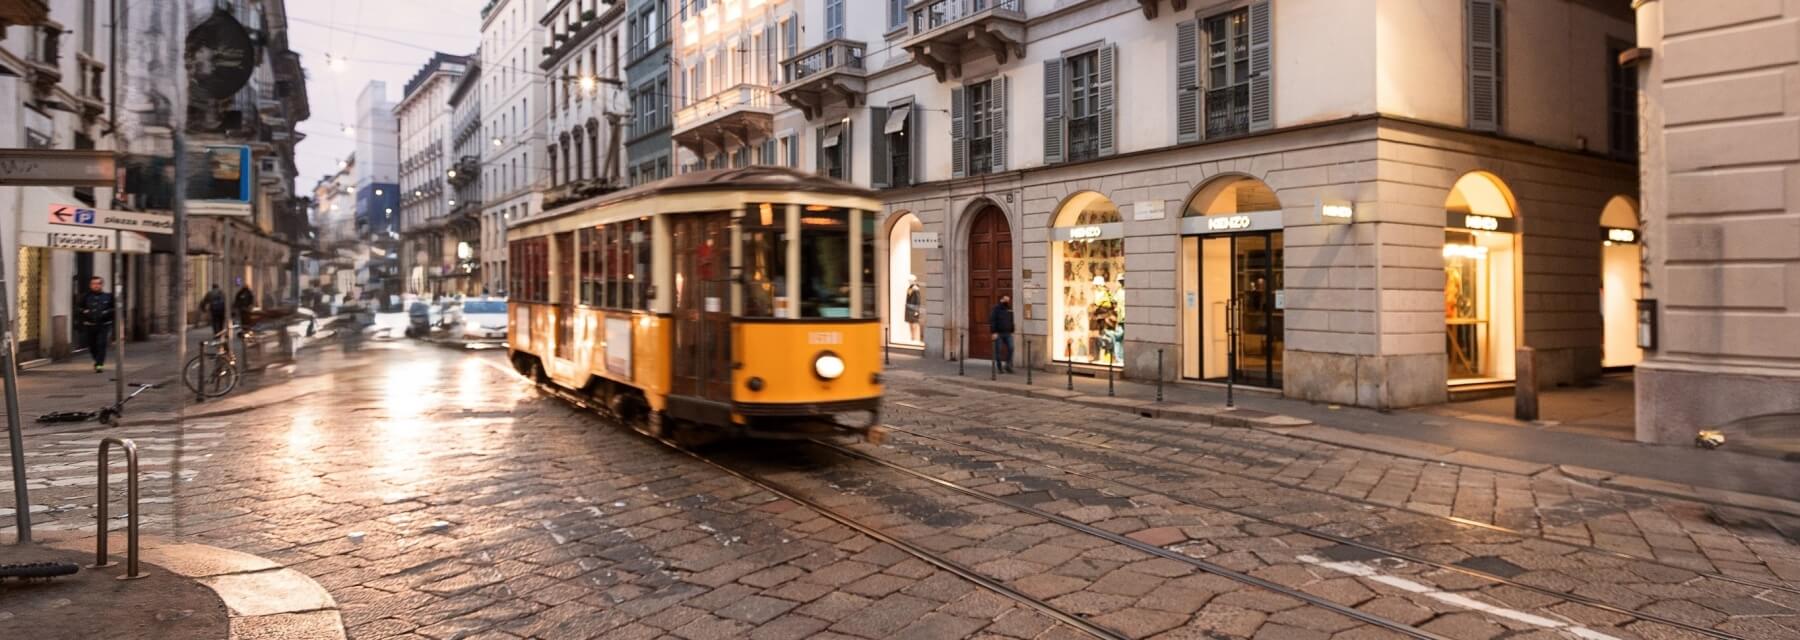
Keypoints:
(896, 121)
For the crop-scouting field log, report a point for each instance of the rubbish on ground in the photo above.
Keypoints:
(1709, 439)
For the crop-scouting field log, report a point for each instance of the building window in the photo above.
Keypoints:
(1084, 105)
(1621, 105)
(1486, 65)
(896, 14)
(834, 19)
(894, 139)
(981, 128)
(1227, 73)
(791, 36)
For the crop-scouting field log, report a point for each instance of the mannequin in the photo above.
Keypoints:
(915, 301)
(1118, 332)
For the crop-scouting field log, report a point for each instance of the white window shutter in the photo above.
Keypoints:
(1054, 123)
(959, 144)
(997, 110)
(1262, 66)
(1187, 82)
(1109, 139)
(1484, 67)
(878, 148)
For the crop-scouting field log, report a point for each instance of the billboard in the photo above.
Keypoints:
(220, 173)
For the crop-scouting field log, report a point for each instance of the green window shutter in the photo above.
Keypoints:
(878, 148)
(1484, 65)
(1109, 139)
(1054, 123)
(819, 150)
(1262, 66)
(959, 147)
(997, 116)
(1187, 82)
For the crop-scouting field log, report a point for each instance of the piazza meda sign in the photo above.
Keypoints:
(79, 216)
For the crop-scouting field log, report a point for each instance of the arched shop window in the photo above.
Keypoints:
(907, 245)
(1621, 281)
(1087, 271)
(1480, 289)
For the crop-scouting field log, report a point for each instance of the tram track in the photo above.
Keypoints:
(1306, 531)
(1163, 442)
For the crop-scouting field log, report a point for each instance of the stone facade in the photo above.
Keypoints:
(1720, 203)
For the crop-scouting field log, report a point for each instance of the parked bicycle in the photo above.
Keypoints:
(222, 367)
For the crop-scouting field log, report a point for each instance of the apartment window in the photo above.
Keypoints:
(893, 145)
(767, 153)
(896, 10)
(1486, 68)
(790, 35)
(1621, 105)
(1084, 105)
(834, 19)
(978, 128)
(790, 152)
(1228, 73)
(834, 151)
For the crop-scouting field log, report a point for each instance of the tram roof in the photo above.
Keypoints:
(746, 181)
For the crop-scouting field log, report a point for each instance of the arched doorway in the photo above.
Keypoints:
(1087, 282)
(906, 281)
(990, 260)
(1621, 281)
(1232, 254)
(1480, 281)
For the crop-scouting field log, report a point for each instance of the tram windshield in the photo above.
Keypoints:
(824, 281)
(825, 264)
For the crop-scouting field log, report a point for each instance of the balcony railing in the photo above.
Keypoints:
(932, 15)
(831, 56)
(754, 97)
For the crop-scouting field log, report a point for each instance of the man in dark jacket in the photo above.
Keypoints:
(96, 320)
(242, 304)
(214, 307)
(1000, 322)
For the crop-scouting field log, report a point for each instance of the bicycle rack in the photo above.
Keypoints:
(131, 497)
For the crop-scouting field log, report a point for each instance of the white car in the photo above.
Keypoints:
(484, 319)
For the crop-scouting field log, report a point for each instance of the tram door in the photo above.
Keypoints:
(702, 255)
(567, 280)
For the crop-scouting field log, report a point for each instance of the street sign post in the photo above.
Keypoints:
(78, 216)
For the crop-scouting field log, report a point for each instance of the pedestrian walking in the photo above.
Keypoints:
(1000, 322)
(96, 319)
(214, 306)
(242, 303)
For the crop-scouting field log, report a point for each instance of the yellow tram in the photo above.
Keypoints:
(738, 302)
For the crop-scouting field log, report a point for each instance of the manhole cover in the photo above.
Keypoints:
(1492, 565)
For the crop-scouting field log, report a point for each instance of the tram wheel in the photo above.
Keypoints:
(693, 435)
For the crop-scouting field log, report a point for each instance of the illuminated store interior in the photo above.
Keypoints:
(1087, 282)
(1480, 281)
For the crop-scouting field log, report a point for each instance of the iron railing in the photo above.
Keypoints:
(743, 95)
(932, 15)
(830, 56)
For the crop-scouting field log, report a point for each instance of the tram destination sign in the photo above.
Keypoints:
(78, 216)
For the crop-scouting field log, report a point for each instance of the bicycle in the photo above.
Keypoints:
(222, 370)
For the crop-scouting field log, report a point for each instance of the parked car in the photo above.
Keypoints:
(483, 319)
(419, 319)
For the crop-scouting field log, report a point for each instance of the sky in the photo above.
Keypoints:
(387, 40)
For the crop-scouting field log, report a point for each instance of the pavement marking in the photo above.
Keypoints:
(1362, 570)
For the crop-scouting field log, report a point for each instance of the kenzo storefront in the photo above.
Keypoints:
(1231, 284)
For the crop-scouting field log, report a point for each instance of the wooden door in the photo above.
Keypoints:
(702, 257)
(990, 275)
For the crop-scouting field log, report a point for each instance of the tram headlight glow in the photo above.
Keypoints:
(828, 366)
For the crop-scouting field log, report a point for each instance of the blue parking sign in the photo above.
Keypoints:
(84, 216)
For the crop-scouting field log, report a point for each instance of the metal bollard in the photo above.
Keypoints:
(1109, 381)
(1029, 360)
(200, 374)
(1159, 375)
(963, 355)
(131, 499)
(1071, 363)
(885, 341)
(994, 357)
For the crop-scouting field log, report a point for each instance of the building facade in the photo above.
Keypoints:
(586, 99)
(1721, 220)
(1333, 200)
(727, 62)
(648, 70)
(342, 253)
(511, 173)
(379, 279)
(472, 229)
(427, 156)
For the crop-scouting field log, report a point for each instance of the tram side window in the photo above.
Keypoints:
(868, 264)
(765, 263)
(590, 267)
(625, 284)
(640, 272)
(825, 264)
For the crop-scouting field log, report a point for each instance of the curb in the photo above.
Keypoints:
(1401, 447)
(263, 599)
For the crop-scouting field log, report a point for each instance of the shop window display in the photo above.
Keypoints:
(1089, 325)
(906, 284)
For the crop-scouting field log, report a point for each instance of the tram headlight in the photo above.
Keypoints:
(828, 366)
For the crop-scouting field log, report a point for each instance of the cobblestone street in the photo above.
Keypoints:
(436, 494)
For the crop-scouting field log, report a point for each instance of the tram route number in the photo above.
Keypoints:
(825, 338)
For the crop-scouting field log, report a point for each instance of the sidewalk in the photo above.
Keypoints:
(1716, 476)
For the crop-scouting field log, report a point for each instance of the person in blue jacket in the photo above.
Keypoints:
(1000, 322)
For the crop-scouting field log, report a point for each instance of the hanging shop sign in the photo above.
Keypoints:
(925, 240)
(1336, 212)
(1083, 233)
(1619, 236)
(79, 216)
(1477, 222)
(57, 168)
(87, 241)
(1231, 223)
(221, 56)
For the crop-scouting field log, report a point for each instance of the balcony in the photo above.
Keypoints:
(944, 33)
(830, 73)
(1150, 7)
(737, 115)
(466, 169)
